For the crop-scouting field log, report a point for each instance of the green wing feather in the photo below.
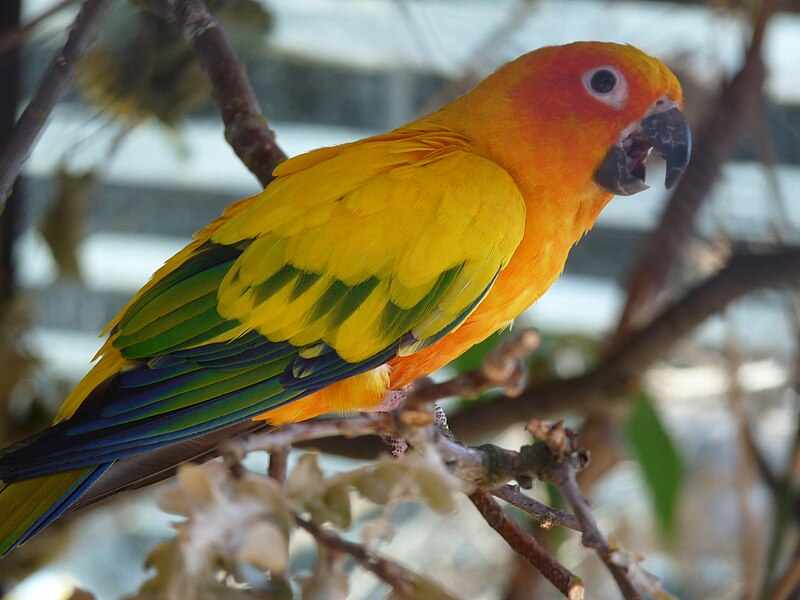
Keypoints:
(352, 254)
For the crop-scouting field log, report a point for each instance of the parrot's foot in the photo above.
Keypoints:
(440, 418)
(399, 446)
(392, 400)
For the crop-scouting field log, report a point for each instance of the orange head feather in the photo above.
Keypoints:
(552, 126)
(573, 125)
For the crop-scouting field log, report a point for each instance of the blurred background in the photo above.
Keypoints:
(696, 470)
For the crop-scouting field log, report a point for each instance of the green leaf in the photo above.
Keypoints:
(471, 359)
(435, 492)
(337, 501)
(419, 587)
(659, 459)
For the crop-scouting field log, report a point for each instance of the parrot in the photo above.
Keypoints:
(359, 269)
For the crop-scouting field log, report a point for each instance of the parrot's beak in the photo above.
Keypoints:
(665, 130)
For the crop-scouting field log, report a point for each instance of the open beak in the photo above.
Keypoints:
(664, 130)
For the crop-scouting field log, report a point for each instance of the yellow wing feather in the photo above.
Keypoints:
(418, 205)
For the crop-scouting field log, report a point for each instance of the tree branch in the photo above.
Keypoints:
(246, 128)
(524, 544)
(51, 89)
(503, 367)
(788, 582)
(14, 38)
(742, 275)
(715, 145)
(565, 453)
(487, 467)
(545, 515)
(616, 374)
(278, 464)
(387, 571)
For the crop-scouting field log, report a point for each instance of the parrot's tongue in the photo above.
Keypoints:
(637, 148)
(623, 169)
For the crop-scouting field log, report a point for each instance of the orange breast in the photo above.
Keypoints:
(552, 227)
(534, 267)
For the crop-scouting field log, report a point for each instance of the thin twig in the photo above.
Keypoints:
(545, 515)
(714, 146)
(564, 479)
(51, 89)
(763, 468)
(561, 474)
(751, 528)
(387, 571)
(289, 435)
(246, 128)
(779, 222)
(742, 275)
(526, 546)
(786, 499)
(15, 37)
(503, 367)
(278, 464)
(788, 583)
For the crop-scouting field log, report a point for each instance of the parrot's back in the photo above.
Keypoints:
(359, 269)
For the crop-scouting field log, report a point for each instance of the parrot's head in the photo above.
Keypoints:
(634, 102)
(586, 114)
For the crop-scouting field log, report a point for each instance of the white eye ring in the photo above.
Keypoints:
(616, 96)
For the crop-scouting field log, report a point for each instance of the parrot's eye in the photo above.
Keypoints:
(603, 81)
(606, 84)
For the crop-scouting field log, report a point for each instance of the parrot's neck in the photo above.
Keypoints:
(556, 181)
(554, 173)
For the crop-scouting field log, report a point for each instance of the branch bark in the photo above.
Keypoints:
(545, 515)
(565, 452)
(387, 571)
(563, 477)
(14, 38)
(715, 145)
(246, 128)
(51, 89)
(615, 374)
(526, 546)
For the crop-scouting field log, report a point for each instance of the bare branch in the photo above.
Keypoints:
(288, 435)
(742, 275)
(385, 570)
(278, 464)
(487, 466)
(14, 38)
(526, 546)
(788, 583)
(561, 474)
(51, 89)
(502, 367)
(246, 128)
(545, 515)
(714, 146)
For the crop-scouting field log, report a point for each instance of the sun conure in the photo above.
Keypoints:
(359, 269)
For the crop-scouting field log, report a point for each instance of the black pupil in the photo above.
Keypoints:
(603, 81)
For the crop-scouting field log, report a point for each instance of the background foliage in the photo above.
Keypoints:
(692, 430)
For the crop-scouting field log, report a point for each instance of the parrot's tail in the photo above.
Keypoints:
(30, 505)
